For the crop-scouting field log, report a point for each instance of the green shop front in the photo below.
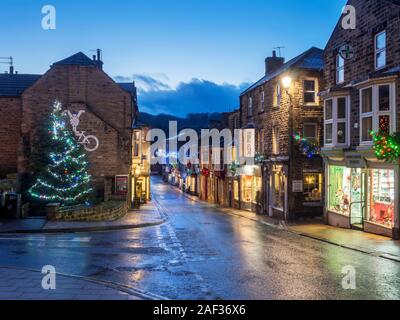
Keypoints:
(362, 193)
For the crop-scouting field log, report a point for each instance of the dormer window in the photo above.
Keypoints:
(380, 50)
(339, 69)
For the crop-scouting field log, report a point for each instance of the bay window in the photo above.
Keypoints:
(336, 121)
(376, 114)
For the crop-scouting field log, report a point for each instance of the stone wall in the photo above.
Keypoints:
(107, 211)
(10, 127)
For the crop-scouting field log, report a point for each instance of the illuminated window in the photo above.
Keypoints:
(313, 187)
(376, 112)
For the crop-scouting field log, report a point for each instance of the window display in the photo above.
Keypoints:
(344, 184)
(236, 190)
(381, 200)
(313, 187)
(278, 189)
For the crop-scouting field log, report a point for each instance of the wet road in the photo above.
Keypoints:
(201, 253)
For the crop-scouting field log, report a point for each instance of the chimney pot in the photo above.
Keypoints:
(11, 70)
(273, 63)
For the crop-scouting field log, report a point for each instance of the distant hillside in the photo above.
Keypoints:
(196, 121)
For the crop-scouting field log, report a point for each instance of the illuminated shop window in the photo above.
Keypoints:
(381, 197)
(236, 190)
(313, 187)
(278, 189)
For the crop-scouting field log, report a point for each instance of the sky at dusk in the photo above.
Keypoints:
(180, 53)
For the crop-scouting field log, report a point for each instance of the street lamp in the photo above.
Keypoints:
(287, 82)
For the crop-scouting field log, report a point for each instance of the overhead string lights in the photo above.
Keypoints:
(387, 146)
(309, 148)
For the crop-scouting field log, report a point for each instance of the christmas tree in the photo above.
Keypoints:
(65, 178)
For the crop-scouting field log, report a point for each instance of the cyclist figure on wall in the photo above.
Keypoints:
(90, 143)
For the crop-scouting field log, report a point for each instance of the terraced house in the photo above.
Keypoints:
(285, 111)
(362, 68)
(101, 111)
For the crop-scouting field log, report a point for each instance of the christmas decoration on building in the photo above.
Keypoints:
(259, 158)
(90, 142)
(233, 168)
(65, 179)
(309, 148)
(205, 172)
(387, 146)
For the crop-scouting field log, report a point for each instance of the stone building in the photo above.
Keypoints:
(362, 68)
(103, 111)
(285, 111)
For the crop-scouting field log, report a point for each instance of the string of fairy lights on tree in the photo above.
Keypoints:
(309, 148)
(65, 179)
(387, 146)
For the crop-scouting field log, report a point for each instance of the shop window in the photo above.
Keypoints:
(310, 91)
(381, 197)
(380, 50)
(339, 190)
(336, 121)
(236, 190)
(376, 111)
(247, 185)
(278, 189)
(339, 69)
(313, 187)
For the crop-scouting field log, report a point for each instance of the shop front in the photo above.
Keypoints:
(278, 186)
(250, 184)
(363, 198)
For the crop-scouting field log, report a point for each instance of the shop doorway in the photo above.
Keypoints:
(357, 196)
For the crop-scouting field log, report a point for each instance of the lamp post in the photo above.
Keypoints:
(287, 83)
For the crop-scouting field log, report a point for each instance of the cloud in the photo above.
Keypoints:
(146, 82)
(157, 97)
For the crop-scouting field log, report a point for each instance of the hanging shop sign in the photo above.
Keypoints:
(347, 52)
(354, 160)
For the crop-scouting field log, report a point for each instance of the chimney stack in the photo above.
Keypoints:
(273, 63)
(11, 69)
(97, 59)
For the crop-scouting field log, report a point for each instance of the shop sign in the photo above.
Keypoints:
(121, 185)
(298, 186)
(354, 160)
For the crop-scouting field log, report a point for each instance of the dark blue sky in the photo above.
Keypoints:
(166, 43)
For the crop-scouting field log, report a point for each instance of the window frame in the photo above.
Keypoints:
(277, 95)
(335, 121)
(339, 69)
(275, 140)
(378, 51)
(376, 113)
(315, 125)
(316, 89)
(250, 107)
(262, 101)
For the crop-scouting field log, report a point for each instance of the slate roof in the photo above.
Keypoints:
(312, 59)
(13, 85)
(78, 59)
(128, 86)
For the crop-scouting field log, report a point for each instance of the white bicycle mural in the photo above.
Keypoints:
(90, 142)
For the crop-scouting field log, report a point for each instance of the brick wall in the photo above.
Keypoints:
(10, 126)
(108, 116)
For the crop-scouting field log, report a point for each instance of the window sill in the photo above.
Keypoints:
(379, 225)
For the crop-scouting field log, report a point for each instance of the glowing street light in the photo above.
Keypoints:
(287, 82)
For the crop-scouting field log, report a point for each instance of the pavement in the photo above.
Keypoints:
(18, 284)
(316, 229)
(147, 216)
